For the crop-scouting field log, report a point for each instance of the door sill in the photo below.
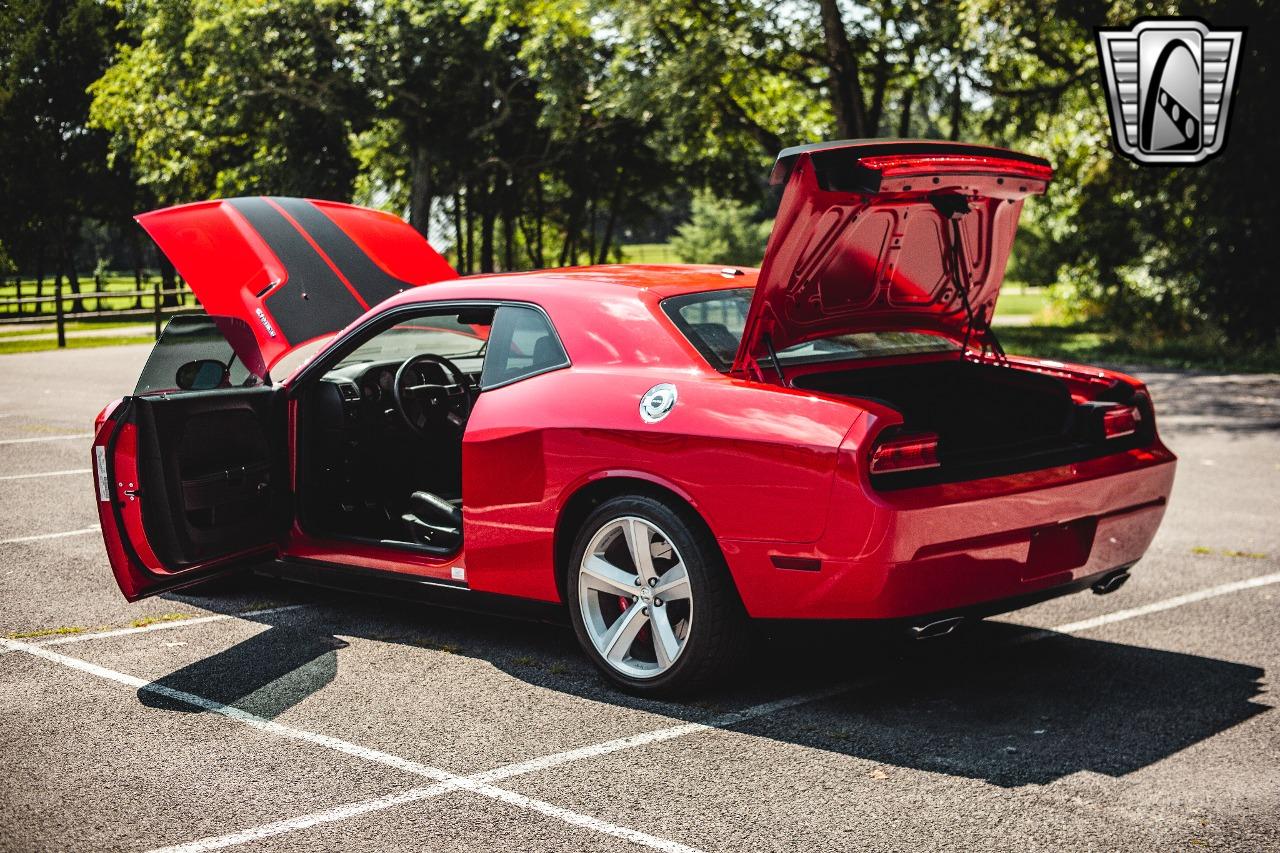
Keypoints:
(396, 585)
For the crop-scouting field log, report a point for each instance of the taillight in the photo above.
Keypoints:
(1120, 421)
(909, 452)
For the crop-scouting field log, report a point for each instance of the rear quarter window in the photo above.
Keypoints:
(714, 320)
(522, 343)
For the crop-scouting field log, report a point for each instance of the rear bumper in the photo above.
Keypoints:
(961, 546)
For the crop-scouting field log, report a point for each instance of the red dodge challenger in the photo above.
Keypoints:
(667, 451)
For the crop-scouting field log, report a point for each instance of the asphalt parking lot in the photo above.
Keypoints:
(276, 716)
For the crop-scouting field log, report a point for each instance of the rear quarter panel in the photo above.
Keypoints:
(756, 462)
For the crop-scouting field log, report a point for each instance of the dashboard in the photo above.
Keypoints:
(376, 383)
(368, 385)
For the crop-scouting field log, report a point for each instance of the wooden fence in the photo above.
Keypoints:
(65, 306)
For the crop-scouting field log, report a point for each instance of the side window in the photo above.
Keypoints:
(521, 344)
(202, 353)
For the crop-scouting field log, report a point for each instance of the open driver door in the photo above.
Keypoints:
(191, 471)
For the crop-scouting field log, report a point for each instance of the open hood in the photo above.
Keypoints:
(864, 240)
(293, 269)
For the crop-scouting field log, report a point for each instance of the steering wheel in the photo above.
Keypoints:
(425, 404)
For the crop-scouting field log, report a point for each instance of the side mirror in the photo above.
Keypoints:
(201, 375)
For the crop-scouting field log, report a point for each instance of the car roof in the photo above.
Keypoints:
(663, 280)
(605, 315)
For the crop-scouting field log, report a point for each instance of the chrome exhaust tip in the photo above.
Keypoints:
(940, 628)
(1111, 582)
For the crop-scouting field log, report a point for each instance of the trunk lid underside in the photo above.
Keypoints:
(866, 240)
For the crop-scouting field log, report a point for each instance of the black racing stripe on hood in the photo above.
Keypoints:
(314, 301)
(371, 281)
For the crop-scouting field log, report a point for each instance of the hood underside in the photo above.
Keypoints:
(887, 235)
(293, 269)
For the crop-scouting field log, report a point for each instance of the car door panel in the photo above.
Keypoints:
(195, 483)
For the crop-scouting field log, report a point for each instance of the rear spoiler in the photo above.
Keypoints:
(862, 165)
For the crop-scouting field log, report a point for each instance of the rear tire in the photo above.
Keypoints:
(651, 600)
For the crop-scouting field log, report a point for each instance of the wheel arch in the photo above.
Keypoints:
(590, 494)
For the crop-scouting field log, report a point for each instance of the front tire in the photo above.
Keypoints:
(651, 600)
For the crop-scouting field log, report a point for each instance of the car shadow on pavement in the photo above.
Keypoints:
(265, 675)
(989, 706)
(982, 704)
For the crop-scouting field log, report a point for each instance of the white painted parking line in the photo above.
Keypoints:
(164, 626)
(645, 738)
(413, 795)
(1168, 603)
(81, 532)
(349, 810)
(477, 783)
(46, 474)
(47, 438)
(160, 626)
(351, 749)
(283, 827)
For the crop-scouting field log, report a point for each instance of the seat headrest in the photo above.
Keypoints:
(545, 352)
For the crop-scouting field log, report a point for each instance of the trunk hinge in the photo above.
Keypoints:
(773, 357)
(953, 208)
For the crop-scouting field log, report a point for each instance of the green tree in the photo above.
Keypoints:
(1164, 251)
(204, 99)
(721, 231)
(53, 172)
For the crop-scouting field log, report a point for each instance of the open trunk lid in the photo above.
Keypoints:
(864, 240)
(293, 269)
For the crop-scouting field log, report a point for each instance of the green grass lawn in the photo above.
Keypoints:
(122, 282)
(1016, 301)
(1079, 343)
(25, 330)
(20, 337)
(1088, 345)
(649, 253)
(42, 344)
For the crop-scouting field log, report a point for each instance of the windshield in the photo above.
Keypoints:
(713, 323)
(442, 335)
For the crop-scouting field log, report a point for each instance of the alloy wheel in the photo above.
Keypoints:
(635, 597)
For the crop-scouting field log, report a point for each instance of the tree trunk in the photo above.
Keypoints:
(614, 203)
(880, 82)
(420, 190)
(457, 230)
(539, 258)
(509, 203)
(73, 279)
(569, 251)
(168, 281)
(904, 117)
(135, 252)
(39, 272)
(469, 236)
(57, 290)
(488, 214)
(957, 108)
(842, 71)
